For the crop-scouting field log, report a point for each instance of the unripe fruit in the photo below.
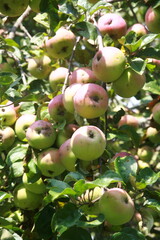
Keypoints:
(152, 19)
(8, 115)
(57, 77)
(128, 120)
(13, 8)
(7, 137)
(138, 28)
(156, 112)
(82, 75)
(35, 187)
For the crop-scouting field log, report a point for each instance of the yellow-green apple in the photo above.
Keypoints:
(156, 112)
(25, 199)
(145, 153)
(88, 143)
(152, 19)
(48, 161)
(153, 134)
(117, 206)
(90, 101)
(129, 83)
(138, 28)
(65, 133)
(57, 77)
(67, 157)
(61, 45)
(82, 75)
(7, 137)
(22, 123)
(112, 24)
(39, 67)
(34, 5)
(108, 64)
(41, 134)
(142, 164)
(13, 8)
(128, 120)
(36, 187)
(83, 55)
(57, 110)
(68, 96)
(8, 115)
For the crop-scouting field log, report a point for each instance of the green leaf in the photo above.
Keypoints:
(81, 186)
(128, 234)
(75, 232)
(4, 195)
(152, 203)
(93, 223)
(6, 78)
(138, 65)
(65, 218)
(86, 29)
(73, 177)
(100, 5)
(17, 153)
(130, 131)
(107, 178)
(149, 52)
(17, 169)
(153, 87)
(42, 18)
(146, 176)
(118, 115)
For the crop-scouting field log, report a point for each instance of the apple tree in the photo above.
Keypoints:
(79, 119)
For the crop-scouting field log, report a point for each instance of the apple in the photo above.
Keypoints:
(7, 137)
(68, 96)
(117, 206)
(57, 77)
(128, 120)
(82, 54)
(8, 115)
(88, 143)
(36, 187)
(156, 112)
(39, 67)
(152, 19)
(57, 110)
(22, 123)
(119, 154)
(153, 135)
(25, 199)
(41, 134)
(156, 62)
(108, 64)
(138, 28)
(67, 157)
(61, 45)
(48, 161)
(34, 5)
(82, 75)
(13, 8)
(129, 83)
(112, 24)
(90, 101)
(145, 153)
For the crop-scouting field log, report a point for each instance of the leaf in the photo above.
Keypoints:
(73, 177)
(41, 18)
(4, 195)
(80, 233)
(6, 78)
(153, 87)
(86, 29)
(17, 153)
(129, 234)
(138, 65)
(107, 178)
(130, 132)
(65, 218)
(149, 52)
(145, 177)
(100, 5)
(17, 169)
(118, 115)
(81, 186)
(152, 203)
(93, 223)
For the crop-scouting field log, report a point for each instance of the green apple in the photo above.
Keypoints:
(25, 199)
(49, 163)
(152, 19)
(36, 187)
(88, 143)
(156, 112)
(142, 164)
(61, 45)
(145, 153)
(40, 67)
(117, 206)
(13, 8)
(82, 75)
(8, 115)
(108, 64)
(129, 83)
(90, 101)
(128, 120)
(57, 78)
(67, 157)
(22, 123)
(41, 134)
(7, 137)
(153, 135)
(34, 5)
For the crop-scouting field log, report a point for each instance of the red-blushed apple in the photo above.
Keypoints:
(36, 187)
(39, 67)
(138, 28)
(7, 137)
(8, 115)
(108, 64)
(156, 62)
(82, 75)
(129, 83)
(22, 123)
(112, 24)
(145, 153)
(57, 77)
(90, 101)
(68, 96)
(35, 5)
(152, 19)
(48, 161)
(67, 157)
(13, 8)
(156, 112)
(88, 143)
(57, 110)
(65, 134)
(121, 155)
(117, 206)
(61, 45)
(25, 199)
(153, 134)
(41, 134)
(128, 120)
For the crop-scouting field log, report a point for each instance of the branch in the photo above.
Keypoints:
(131, 8)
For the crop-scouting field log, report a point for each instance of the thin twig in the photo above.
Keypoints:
(25, 31)
(131, 8)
